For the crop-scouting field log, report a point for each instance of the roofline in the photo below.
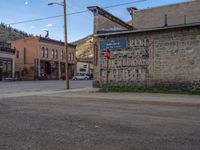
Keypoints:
(24, 38)
(55, 41)
(149, 29)
(167, 5)
(48, 40)
(45, 39)
(113, 18)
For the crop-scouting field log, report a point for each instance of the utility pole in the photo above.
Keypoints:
(66, 46)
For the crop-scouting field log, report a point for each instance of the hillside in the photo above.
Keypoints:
(84, 47)
(8, 33)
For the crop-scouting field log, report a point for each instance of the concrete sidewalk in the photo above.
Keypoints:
(91, 93)
(41, 93)
(137, 97)
(29, 88)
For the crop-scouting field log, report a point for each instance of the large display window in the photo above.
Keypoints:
(5, 69)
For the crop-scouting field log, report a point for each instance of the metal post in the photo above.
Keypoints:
(107, 75)
(66, 47)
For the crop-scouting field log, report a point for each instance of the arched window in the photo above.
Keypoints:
(42, 52)
(62, 55)
(70, 56)
(56, 54)
(46, 53)
(53, 53)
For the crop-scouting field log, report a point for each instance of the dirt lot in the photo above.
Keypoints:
(61, 122)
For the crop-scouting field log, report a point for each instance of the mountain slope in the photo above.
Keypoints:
(84, 47)
(8, 33)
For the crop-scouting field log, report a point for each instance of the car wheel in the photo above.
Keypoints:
(86, 78)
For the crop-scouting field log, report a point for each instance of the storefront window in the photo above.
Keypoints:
(4, 66)
(9, 67)
(5, 69)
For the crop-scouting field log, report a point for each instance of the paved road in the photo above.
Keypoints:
(33, 86)
(82, 123)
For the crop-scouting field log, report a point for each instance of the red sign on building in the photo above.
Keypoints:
(108, 54)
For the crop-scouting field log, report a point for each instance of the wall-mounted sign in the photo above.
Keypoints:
(113, 44)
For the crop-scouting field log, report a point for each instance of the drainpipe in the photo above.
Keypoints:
(166, 20)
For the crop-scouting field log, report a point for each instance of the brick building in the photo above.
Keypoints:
(162, 48)
(7, 61)
(43, 58)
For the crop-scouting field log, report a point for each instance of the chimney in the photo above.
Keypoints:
(132, 11)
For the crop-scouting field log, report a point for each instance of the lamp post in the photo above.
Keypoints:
(66, 45)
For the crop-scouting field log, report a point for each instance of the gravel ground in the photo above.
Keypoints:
(72, 123)
(35, 86)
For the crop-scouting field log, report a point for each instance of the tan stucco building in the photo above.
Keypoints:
(43, 58)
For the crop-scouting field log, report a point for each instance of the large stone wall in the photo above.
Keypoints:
(177, 57)
(168, 57)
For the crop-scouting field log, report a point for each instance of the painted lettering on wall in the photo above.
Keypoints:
(129, 64)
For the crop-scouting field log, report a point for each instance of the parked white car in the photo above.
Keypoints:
(81, 77)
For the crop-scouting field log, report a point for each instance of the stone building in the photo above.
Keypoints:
(7, 61)
(168, 15)
(159, 51)
(43, 58)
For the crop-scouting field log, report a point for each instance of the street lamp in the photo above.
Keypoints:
(66, 45)
(61, 4)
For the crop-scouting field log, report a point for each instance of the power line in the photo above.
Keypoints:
(33, 20)
(122, 4)
(74, 13)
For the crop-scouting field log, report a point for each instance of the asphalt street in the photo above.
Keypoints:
(55, 122)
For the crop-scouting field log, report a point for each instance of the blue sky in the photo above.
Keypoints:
(79, 25)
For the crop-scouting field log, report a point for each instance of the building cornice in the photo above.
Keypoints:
(147, 29)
